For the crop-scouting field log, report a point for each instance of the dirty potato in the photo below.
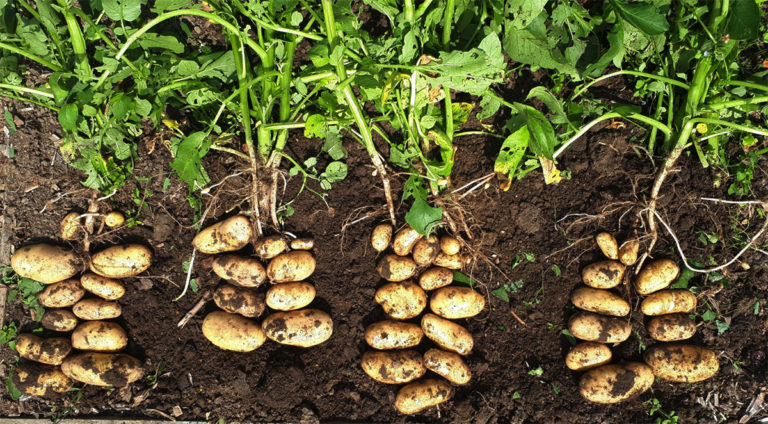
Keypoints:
(456, 302)
(671, 328)
(304, 328)
(603, 274)
(449, 245)
(669, 302)
(396, 268)
(240, 270)
(628, 252)
(62, 294)
(226, 236)
(70, 226)
(435, 277)
(615, 383)
(302, 244)
(62, 320)
(449, 261)
(656, 275)
(608, 245)
(448, 365)
(233, 332)
(425, 250)
(681, 363)
(121, 261)
(422, 394)
(103, 369)
(597, 328)
(447, 334)
(114, 219)
(387, 335)
(46, 351)
(599, 301)
(45, 263)
(271, 246)
(104, 287)
(291, 266)
(239, 300)
(97, 309)
(380, 237)
(290, 296)
(588, 355)
(396, 367)
(99, 336)
(401, 300)
(404, 241)
(40, 380)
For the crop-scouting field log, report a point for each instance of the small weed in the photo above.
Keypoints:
(506, 289)
(536, 372)
(666, 418)
(556, 270)
(8, 333)
(568, 336)
(26, 289)
(516, 395)
(152, 378)
(640, 343)
(536, 297)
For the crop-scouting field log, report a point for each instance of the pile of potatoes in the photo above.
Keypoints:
(395, 361)
(233, 328)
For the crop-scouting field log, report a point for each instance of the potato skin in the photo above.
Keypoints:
(608, 245)
(404, 241)
(401, 300)
(62, 320)
(592, 327)
(46, 351)
(121, 261)
(99, 336)
(380, 237)
(114, 219)
(449, 245)
(671, 328)
(425, 250)
(37, 379)
(588, 355)
(422, 394)
(396, 268)
(615, 383)
(97, 309)
(447, 334)
(435, 277)
(396, 367)
(656, 275)
(233, 332)
(628, 252)
(682, 363)
(239, 300)
(669, 302)
(290, 296)
(104, 287)
(599, 301)
(103, 369)
(226, 236)
(304, 328)
(386, 335)
(45, 263)
(449, 261)
(302, 244)
(70, 226)
(240, 270)
(62, 294)
(603, 274)
(448, 365)
(269, 247)
(456, 302)
(291, 266)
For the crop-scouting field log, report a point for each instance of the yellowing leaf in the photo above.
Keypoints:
(551, 173)
(171, 123)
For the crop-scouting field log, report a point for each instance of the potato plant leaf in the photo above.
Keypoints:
(744, 20)
(422, 217)
(644, 16)
(125, 10)
(187, 161)
(511, 154)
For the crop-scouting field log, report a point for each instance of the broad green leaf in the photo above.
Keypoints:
(553, 103)
(524, 47)
(166, 5)
(511, 154)
(408, 48)
(489, 105)
(156, 41)
(542, 136)
(315, 126)
(744, 20)
(333, 145)
(187, 67)
(187, 162)
(68, 117)
(461, 112)
(422, 217)
(12, 390)
(120, 105)
(335, 171)
(223, 68)
(524, 11)
(471, 71)
(126, 10)
(644, 16)
(614, 54)
(501, 293)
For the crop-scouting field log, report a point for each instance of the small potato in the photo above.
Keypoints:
(114, 219)
(597, 328)
(103, 369)
(126, 260)
(669, 302)
(381, 236)
(425, 250)
(61, 320)
(447, 334)
(603, 274)
(449, 261)
(290, 296)
(396, 268)
(386, 335)
(239, 300)
(40, 380)
(269, 247)
(302, 244)
(233, 332)
(397, 367)
(226, 236)
(401, 300)
(304, 328)
(422, 394)
(615, 383)
(46, 351)
(70, 226)
(588, 355)
(435, 277)
(97, 309)
(628, 252)
(291, 266)
(449, 245)
(240, 270)
(105, 288)
(656, 275)
(681, 363)
(671, 328)
(448, 365)
(456, 302)
(608, 245)
(99, 336)
(599, 301)
(404, 241)
(62, 294)
(45, 263)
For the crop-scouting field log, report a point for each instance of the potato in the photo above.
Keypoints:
(240, 270)
(671, 328)
(381, 236)
(97, 309)
(425, 250)
(603, 274)
(45, 263)
(291, 266)
(46, 351)
(404, 241)
(456, 302)
(304, 328)
(588, 355)
(62, 294)
(435, 277)
(669, 302)
(599, 301)
(302, 244)
(446, 334)
(681, 363)
(59, 320)
(401, 300)
(269, 247)
(99, 336)
(239, 300)
(70, 226)
(449, 245)
(656, 275)
(449, 261)
(397, 367)
(386, 335)
(114, 219)
(233, 332)
(126, 260)
(448, 365)
(37, 379)
(226, 236)
(608, 245)
(597, 328)
(103, 369)
(422, 394)
(396, 268)
(615, 383)
(290, 296)
(628, 252)
(105, 288)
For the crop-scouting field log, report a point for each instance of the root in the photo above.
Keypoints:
(195, 309)
(382, 171)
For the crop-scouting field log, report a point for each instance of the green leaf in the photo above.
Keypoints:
(126, 10)
(462, 278)
(501, 293)
(187, 67)
(461, 112)
(489, 105)
(744, 20)
(408, 48)
(526, 48)
(511, 154)
(524, 11)
(422, 217)
(68, 117)
(542, 136)
(120, 105)
(722, 327)
(187, 162)
(151, 40)
(315, 126)
(614, 54)
(335, 171)
(471, 71)
(333, 145)
(12, 390)
(644, 16)
(553, 103)
(709, 315)
(166, 5)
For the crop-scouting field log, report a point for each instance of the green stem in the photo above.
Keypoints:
(238, 51)
(748, 84)
(447, 26)
(738, 102)
(739, 127)
(409, 11)
(77, 40)
(52, 66)
(52, 30)
(28, 100)
(485, 133)
(26, 90)
(671, 81)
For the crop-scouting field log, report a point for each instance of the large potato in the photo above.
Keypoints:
(62, 294)
(588, 355)
(97, 309)
(122, 261)
(269, 247)
(304, 328)
(656, 275)
(240, 270)
(45, 263)
(671, 328)
(404, 241)
(600, 301)
(37, 379)
(46, 351)
(103, 369)
(456, 302)
(290, 296)
(381, 236)
(396, 268)
(435, 277)
(669, 302)
(447, 334)
(449, 261)
(615, 383)
(608, 245)
(597, 328)
(422, 394)
(425, 250)
(386, 335)
(104, 287)
(681, 363)
(226, 236)
(291, 266)
(239, 300)
(59, 320)
(448, 365)
(628, 252)
(70, 226)
(99, 336)
(449, 245)
(603, 274)
(401, 300)
(397, 367)
(233, 332)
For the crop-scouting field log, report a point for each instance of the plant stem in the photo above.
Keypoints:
(77, 40)
(52, 66)
(748, 84)
(447, 26)
(671, 81)
(739, 127)
(28, 100)
(738, 102)
(26, 90)
(409, 11)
